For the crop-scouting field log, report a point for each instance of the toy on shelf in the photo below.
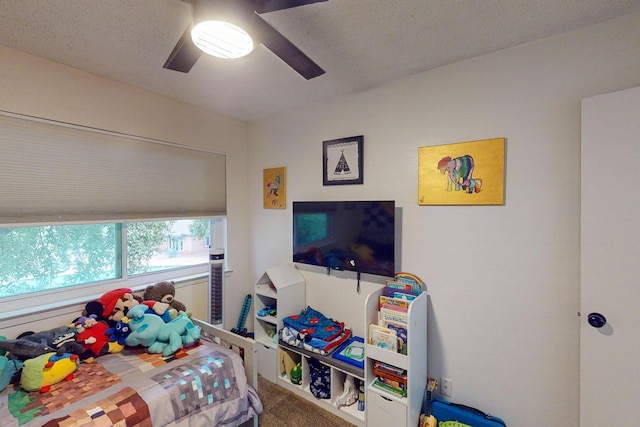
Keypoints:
(352, 352)
(270, 330)
(268, 311)
(349, 395)
(296, 374)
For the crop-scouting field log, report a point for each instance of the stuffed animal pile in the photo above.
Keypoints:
(119, 318)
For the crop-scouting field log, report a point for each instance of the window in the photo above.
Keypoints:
(163, 245)
(34, 259)
(45, 258)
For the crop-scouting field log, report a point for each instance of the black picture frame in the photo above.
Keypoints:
(342, 161)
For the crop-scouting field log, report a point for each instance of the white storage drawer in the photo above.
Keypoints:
(267, 362)
(384, 412)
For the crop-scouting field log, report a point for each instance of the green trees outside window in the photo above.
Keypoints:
(39, 258)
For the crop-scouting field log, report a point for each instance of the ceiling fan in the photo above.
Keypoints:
(241, 16)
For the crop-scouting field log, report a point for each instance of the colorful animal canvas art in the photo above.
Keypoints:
(466, 173)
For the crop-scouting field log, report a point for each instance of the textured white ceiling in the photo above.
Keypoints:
(359, 43)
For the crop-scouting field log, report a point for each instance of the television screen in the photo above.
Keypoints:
(352, 235)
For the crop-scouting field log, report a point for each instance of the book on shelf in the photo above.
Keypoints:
(393, 284)
(399, 294)
(392, 303)
(390, 378)
(393, 316)
(401, 334)
(414, 281)
(400, 381)
(396, 383)
(382, 386)
(383, 337)
(389, 369)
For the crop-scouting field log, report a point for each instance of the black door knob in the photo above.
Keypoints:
(597, 320)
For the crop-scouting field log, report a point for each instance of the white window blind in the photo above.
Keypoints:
(53, 172)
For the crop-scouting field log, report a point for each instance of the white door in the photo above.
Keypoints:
(610, 260)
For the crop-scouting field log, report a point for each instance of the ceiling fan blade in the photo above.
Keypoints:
(184, 54)
(264, 6)
(283, 48)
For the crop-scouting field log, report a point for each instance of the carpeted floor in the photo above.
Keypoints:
(283, 408)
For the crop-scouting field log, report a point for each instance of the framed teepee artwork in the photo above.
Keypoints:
(465, 173)
(342, 161)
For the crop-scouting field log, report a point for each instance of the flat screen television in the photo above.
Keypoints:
(346, 235)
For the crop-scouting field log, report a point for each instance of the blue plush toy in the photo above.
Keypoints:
(149, 330)
(144, 327)
(120, 332)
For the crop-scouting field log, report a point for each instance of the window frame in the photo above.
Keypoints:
(29, 303)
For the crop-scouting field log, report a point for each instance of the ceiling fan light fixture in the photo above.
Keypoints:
(221, 39)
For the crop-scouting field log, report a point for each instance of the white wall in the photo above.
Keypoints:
(33, 86)
(504, 281)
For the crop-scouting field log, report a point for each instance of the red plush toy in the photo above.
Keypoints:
(117, 303)
(94, 339)
(103, 308)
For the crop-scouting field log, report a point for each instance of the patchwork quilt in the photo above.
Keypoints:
(205, 385)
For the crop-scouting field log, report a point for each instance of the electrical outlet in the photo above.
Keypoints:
(446, 387)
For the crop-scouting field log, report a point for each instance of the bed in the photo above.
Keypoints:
(204, 385)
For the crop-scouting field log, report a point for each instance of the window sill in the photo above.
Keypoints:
(17, 316)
